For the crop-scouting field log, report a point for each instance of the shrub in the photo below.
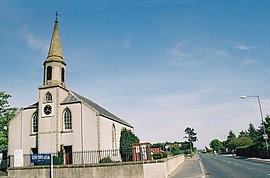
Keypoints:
(127, 138)
(106, 160)
(175, 150)
(160, 155)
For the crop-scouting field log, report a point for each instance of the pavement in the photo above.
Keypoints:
(190, 168)
(259, 160)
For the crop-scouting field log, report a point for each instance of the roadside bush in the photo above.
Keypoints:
(175, 151)
(159, 155)
(106, 160)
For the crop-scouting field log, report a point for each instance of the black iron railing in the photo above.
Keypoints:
(77, 157)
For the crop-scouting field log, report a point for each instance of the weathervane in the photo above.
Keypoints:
(56, 15)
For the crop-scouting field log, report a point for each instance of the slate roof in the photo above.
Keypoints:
(35, 105)
(74, 97)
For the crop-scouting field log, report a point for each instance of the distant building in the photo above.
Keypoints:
(141, 151)
(62, 118)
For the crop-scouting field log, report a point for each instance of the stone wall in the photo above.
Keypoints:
(139, 169)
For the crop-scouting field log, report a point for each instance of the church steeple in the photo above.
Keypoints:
(54, 65)
(55, 50)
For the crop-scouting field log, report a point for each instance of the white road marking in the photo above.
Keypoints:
(250, 168)
(203, 176)
(236, 164)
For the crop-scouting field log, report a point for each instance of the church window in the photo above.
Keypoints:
(49, 73)
(63, 75)
(34, 123)
(67, 120)
(113, 137)
(48, 97)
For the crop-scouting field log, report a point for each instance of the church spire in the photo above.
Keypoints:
(54, 65)
(55, 50)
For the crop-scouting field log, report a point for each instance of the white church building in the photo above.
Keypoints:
(62, 118)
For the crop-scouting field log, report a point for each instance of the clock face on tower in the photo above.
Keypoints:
(47, 110)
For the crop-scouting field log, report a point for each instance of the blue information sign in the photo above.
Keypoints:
(41, 158)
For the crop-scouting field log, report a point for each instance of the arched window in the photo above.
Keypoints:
(63, 75)
(48, 97)
(114, 138)
(34, 123)
(49, 73)
(67, 120)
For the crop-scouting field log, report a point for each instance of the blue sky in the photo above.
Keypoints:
(160, 65)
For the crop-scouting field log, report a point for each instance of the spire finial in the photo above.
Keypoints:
(56, 16)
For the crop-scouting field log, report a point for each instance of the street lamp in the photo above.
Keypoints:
(265, 136)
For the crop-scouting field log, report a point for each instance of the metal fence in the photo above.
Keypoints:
(84, 157)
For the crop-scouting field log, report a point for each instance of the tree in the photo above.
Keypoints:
(231, 136)
(127, 138)
(6, 114)
(243, 134)
(216, 145)
(241, 142)
(252, 132)
(264, 128)
(191, 136)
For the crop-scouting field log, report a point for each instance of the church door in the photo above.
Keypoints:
(68, 154)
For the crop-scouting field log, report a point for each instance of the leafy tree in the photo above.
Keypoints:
(175, 150)
(241, 142)
(191, 136)
(185, 145)
(159, 145)
(127, 138)
(243, 134)
(252, 132)
(216, 145)
(261, 142)
(6, 114)
(231, 136)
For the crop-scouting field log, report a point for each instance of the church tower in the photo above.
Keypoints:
(51, 94)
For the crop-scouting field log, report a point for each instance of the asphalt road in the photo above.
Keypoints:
(233, 167)
(210, 166)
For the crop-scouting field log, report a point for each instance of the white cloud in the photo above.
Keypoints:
(36, 43)
(240, 46)
(243, 47)
(195, 51)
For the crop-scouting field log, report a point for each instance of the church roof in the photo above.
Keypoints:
(75, 97)
(35, 105)
(55, 50)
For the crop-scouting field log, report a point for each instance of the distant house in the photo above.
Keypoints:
(156, 150)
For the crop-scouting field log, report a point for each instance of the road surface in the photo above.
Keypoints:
(211, 166)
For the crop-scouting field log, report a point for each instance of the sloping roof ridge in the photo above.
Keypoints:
(34, 105)
(102, 111)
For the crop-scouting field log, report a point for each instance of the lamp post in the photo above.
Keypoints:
(265, 136)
